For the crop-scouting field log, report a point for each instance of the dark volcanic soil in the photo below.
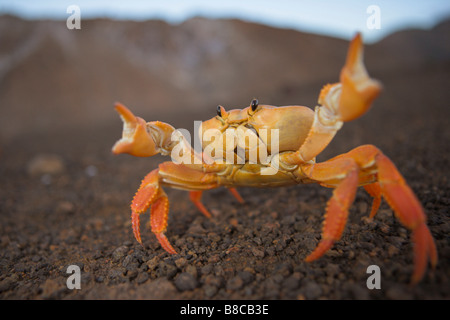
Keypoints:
(73, 207)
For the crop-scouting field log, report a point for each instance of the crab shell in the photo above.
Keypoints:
(292, 122)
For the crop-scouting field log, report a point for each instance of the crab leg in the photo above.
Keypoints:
(338, 205)
(150, 194)
(195, 197)
(409, 211)
(158, 221)
(236, 194)
(142, 200)
(372, 165)
(375, 191)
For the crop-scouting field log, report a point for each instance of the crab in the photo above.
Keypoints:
(301, 135)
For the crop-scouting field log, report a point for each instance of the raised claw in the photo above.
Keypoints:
(339, 102)
(135, 139)
(358, 89)
(354, 94)
(139, 138)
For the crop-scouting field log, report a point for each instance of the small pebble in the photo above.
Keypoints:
(91, 171)
(180, 262)
(167, 270)
(235, 283)
(312, 290)
(64, 207)
(209, 290)
(119, 253)
(257, 252)
(185, 282)
(153, 263)
(45, 164)
(142, 277)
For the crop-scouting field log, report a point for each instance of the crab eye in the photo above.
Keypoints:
(219, 111)
(254, 104)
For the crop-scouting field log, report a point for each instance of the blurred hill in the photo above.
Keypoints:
(53, 78)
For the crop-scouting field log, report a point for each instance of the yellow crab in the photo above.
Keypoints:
(302, 134)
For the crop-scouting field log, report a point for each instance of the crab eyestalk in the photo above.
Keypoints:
(141, 138)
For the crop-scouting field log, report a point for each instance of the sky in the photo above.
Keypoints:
(339, 18)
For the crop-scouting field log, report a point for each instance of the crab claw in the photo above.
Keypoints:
(139, 138)
(358, 89)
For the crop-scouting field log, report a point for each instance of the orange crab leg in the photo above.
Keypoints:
(372, 164)
(142, 200)
(393, 187)
(410, 213)
(236, 194)
(158, 221)
(195, 197)
(338, 205)
(150, 194)
(375, 191)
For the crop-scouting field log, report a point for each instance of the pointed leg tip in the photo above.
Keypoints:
(165, 244)
(173, 251)
(138, 238)
(236, 194)
(313, 256)
(195, 197)
(135, 224)
(320, 250)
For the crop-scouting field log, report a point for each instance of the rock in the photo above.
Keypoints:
(156, 290)
(210, 290)
(119, 253)
(65, 207)
(7, 284)
(166, 270)
(257, 252)
(142, 277)
(180, 262)
(185, 281)
(91, 171)
(235, 283)
(51, 288)
(312, 290)
(246, 276)
(153, 263)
